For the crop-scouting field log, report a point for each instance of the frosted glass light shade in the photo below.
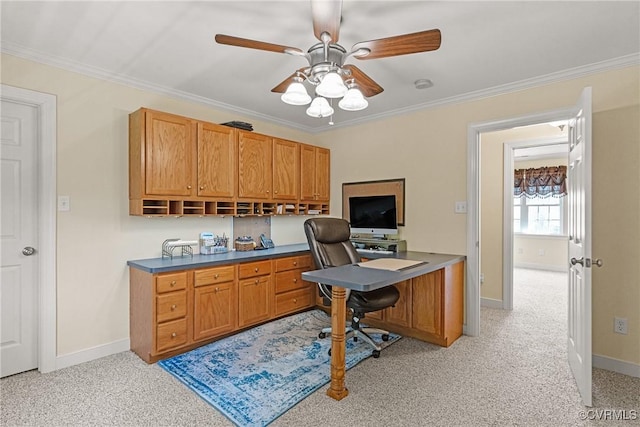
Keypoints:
(319, 108)
(331, 86)
(353, 101)
(296, 94)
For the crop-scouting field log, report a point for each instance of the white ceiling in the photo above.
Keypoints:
(487, 47)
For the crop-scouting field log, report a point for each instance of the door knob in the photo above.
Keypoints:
(577, 261)
(28, 251)
(598, 262)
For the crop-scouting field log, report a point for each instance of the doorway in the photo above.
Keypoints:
(42, 245)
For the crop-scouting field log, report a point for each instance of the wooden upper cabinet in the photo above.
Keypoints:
(254, 165)
(314, 173)
(216, 160)
(161, 150)
(286, 169)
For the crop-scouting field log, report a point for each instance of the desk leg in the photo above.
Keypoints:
(337, 390)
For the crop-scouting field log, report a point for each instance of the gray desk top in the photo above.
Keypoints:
(162, 265)
(369, 279)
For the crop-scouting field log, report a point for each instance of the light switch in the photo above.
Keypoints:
(461, 207)
(63, 203)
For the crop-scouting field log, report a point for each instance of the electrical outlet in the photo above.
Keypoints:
(620, 325)
(64, 203)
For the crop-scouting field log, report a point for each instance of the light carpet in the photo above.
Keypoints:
(255, 376)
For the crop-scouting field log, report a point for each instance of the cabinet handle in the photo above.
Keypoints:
(217, 290)
(202, 187)
(268, 191)
(295, 263)
(257, 281)
(295, 280)
(215, 276)
(256, 269)
(275, 192)
(173, 307)
(295, 301)
(188, 187)
(173, 335)
(173, 283)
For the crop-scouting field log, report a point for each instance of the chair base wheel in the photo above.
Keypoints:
(322, 335)
(376, 354)
(385, 337)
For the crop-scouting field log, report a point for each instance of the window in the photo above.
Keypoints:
(539, 215)
(538, 202)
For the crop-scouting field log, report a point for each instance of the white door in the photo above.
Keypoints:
(19, 232)
(579, 197)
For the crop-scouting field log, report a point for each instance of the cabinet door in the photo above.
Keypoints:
(307, 172)
(214, 310)
(400, 313)
(322, 174)
(254, 297)
(216, 160)
(169, 155)
(254, 165)
(286, 169)
(426, 308)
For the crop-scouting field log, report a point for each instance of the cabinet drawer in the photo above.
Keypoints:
(171, 306)
(290, 263)
(215, 275)
(252, 269)
(171, 334)
(294, 300)
(289, 280)
(171, 282)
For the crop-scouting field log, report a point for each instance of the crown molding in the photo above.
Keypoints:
(572, 73)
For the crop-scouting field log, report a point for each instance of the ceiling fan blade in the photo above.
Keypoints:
(254, 44)
(422, 41)
(326, 16)
(282, 87)
(367, 86)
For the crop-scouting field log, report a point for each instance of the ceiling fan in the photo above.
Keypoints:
(327, 71)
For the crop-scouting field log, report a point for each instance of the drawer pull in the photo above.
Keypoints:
(215, 276)
(295, 300)
(173, 307)
(295, 263)
(173, 335)
(173, 283)
(256, 269)
(217, 290)
(295, 280)
(257, 281)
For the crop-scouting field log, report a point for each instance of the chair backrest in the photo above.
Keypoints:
(329, 242)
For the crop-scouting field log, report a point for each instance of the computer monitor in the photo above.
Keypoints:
(373, 214)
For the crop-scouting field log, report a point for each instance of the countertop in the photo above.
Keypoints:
(369, 279)
(163, 265)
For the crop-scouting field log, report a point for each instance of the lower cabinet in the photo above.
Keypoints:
(254, 291)
(430, 307)
(215, 302)
(171, 313)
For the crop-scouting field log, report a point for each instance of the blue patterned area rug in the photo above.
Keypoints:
(255, 376)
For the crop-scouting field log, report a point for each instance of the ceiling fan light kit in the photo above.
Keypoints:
(319, 108)
(327, 71)
(296, 94)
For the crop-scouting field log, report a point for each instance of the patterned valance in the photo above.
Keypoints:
(540, 182)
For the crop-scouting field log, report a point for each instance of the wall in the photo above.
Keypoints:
(427, 147)
(491, 199)
(97, 236)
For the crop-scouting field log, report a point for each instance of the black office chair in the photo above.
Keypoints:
(330, 247)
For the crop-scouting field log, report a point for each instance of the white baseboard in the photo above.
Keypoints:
(547, 267)
(491, 303)
(93, 353)
(615, 365)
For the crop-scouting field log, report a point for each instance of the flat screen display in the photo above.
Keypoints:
(373, 214)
